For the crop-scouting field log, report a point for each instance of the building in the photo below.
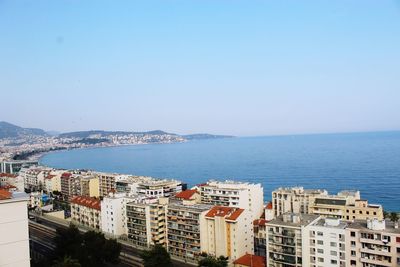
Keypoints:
(159, 188)
(293, 199)
(86, 211)
(106, 183)
(227, 232)
(14, 166)
(324, 243)
(7, 179)
(183, 230)
(346, 205)
(113, 214)
(90, 186)
(146, 221)
(188, 197)
(260, 237)
(14, 241)
(70, 185)
(285, 241)
(234, 194)
(373, 242)
(52, 182)
(249, 260)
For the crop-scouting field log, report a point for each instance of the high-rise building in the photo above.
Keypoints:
(234, 194)
(293, 199)
(285, 239)
(86, 211)
(227, 232)
(373, 242)
(14, 241)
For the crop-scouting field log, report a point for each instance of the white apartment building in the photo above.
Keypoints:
(86, 211)
(227, 232)
(14, 241)
(373, 242)
(113, 214)
(159, 188)
(324, 243)
(285, 246)
(293, 199)
(234, 194)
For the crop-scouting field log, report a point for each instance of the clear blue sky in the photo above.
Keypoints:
(229, 67)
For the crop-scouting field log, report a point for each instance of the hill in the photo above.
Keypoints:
(8, 130)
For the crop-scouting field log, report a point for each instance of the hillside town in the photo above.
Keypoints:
(297, 227)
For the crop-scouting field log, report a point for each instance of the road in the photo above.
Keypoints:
(43, 230)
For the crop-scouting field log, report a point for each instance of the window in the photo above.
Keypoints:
(353, 253)
(333, 244)
(333, 253)
(320, 233)
(353, 243)
(320, 250)
(353, 234)
(320, 242)
(321, 259)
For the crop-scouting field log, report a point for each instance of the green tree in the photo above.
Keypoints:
(394, 217)
(90, 248)
(67, 261)
(209, 261)
(155, 257)
(385, 214)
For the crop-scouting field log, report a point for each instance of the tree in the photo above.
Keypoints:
(67, 262)
(90, 248)
(155, 257)
(385, 214)
(209, 261)
(394, 217)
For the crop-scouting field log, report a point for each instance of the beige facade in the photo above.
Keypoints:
(86, 211)
(184, 224)
(346, 205)
(14, 236)
(90, 186)
(227, 232)
(107, 183)
(293, 199)
(373, 243)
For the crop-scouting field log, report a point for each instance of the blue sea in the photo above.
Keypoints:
(369, 162)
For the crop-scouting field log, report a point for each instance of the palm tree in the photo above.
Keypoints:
(67, 261)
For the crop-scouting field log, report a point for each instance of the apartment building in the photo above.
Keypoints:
(227, 232)
(70, 185)
(90, 186)
(31, 178)
(373, 242)
(293, 199)
(107, 183)
(14, 241)
(234, 194)
(7, 179)
(114, 214)
(86, 211)
(324, 243)
(260, 237)
(159, 188)
(52, 182)
(146, 221)
(285, 241)
(346, 205)
(183, 230)
(189, 197)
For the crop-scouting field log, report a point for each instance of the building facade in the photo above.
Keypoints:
(86, 211)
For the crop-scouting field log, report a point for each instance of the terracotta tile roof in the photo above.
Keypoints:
(50, 176)
(187, 194)
(228, 212)
(66, 175)
(4, 194)
(261, 222)
(89, 202)
(251, 261)
(8, 187)
(269, 206)
(7, 175)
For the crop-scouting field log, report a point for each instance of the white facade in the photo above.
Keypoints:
(113, 214)
(324, 243)
(234, 194)
(14, 241)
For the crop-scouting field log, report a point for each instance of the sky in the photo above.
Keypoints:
(225, 67)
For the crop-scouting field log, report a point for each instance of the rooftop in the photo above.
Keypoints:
(362, 225)
(227, 212)
(186, 195)
(251, 261)
(89, 202)
(294, 219)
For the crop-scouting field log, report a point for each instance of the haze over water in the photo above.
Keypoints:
(369, 162)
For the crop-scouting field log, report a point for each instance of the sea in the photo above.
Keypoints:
(369, 162)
